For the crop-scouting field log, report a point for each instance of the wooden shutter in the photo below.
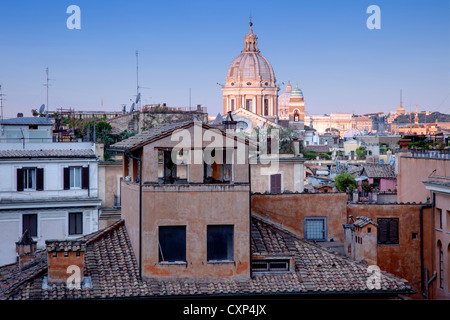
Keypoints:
(66, 181)
(85, 177)
(393, 231)
(275, 183)
(382, 231)
(39, 179)
(20, 179)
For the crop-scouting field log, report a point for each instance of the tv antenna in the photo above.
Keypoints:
(47, 85)
(138, 87)
(1, 101)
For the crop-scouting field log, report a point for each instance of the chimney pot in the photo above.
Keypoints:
(26, 248)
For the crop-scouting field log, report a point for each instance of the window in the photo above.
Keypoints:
(30, 179)
(76, 178)
(29, 222)
(232, 105)
(249, 104)
(275, 183)
(218, 166)
(315, 229)
(441, 265)
(172, 243)
(220, 243)
(75, 223)
(270, 265)
(388, 231)
(439, 218)
(266, 107)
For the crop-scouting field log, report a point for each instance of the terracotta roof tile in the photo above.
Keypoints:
(113, 269)
(375, 170)
(53, 153)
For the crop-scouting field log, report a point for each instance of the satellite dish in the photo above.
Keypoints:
(42, 108)
(138, 97)
(132, 108)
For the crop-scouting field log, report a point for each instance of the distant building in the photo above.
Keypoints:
(340, 122)
(26, 130)
(47, 189)
(382, 175)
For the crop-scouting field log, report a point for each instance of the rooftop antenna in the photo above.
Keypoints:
(137, 73)
(1, 101)
(189, 98)
(47, 85)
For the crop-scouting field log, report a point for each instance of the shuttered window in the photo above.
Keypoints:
(387, 230)
(30, 179)
(275, 183)
(76, 178)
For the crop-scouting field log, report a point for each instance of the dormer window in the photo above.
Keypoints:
(271, 265)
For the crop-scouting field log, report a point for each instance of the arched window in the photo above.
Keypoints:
(296, 115)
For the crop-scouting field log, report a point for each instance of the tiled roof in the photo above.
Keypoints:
(362, 221)
(149, 135)
(112, 266)
(27, 121)
(375, 170)
(53, 153)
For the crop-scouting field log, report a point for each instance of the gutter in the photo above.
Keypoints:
(139, 160)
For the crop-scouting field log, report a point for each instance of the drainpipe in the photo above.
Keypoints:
(139, 160)
(424, 282)
(250, 210)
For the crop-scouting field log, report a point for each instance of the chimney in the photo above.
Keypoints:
(63, 257)
(20, 115)
(26, 249)
(296, 144)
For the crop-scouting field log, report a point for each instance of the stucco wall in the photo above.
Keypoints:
(196, 207)
(402, 259)
(291, 209)
(411, 173)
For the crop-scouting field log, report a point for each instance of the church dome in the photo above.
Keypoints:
(250, 68)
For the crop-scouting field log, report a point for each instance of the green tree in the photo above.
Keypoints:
(361, 152)
(345, 180)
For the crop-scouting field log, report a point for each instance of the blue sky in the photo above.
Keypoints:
(323, 45)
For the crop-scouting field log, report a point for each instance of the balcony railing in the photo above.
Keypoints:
(431, 154)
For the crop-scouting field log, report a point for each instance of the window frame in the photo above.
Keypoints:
(213, 239)
(169, 236)
(441, 264)
(76, 227)
(268, 263)
(305, 228)
(73, 178)
(32, 234)
(26, 176)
